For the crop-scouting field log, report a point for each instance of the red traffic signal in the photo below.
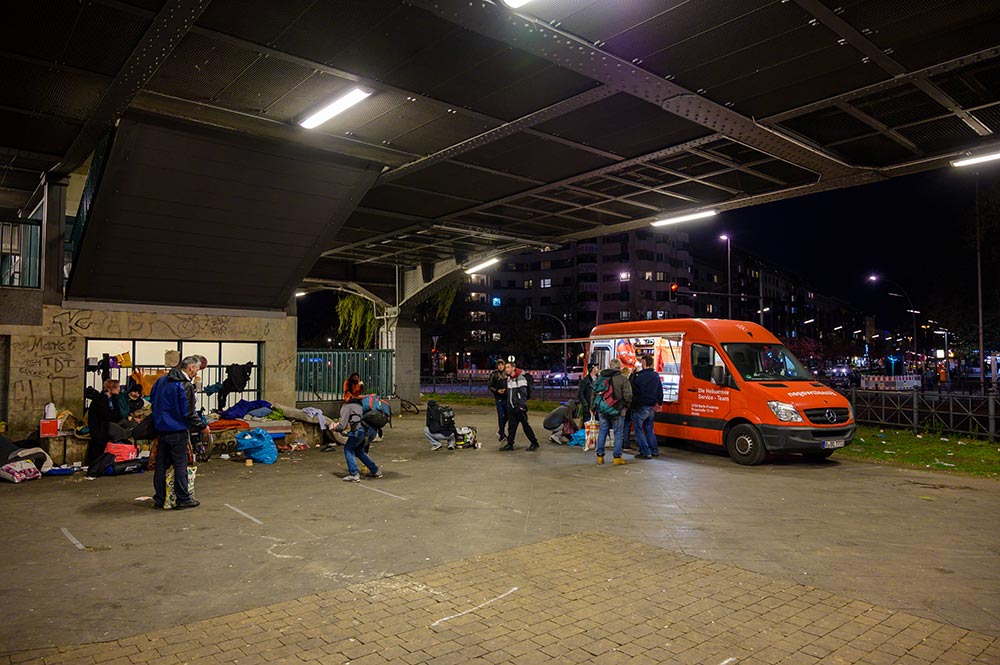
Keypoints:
(673, 291)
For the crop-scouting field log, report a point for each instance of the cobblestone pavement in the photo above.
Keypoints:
(695, 537)
(584, 598)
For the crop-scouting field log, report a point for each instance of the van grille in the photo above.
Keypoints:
(822, 416)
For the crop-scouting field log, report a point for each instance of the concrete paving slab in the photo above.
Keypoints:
(920, 544)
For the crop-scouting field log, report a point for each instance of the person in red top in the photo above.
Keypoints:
(354, 389)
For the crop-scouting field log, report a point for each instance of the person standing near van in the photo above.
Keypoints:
(498, 387)
(647, 396)
(518, 394)
(611, 413)
(585, 394)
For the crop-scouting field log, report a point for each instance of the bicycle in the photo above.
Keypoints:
(405, 405)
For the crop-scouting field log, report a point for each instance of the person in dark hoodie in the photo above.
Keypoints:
(175, 417)
(498, 388)
(647, 395)
(103, 417)
(518, 394)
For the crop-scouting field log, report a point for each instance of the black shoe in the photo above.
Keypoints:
(193, 503)
(158, 506)
(533, 446)
(654, 454)
(507, 447)
(501, 437)
(642, 456)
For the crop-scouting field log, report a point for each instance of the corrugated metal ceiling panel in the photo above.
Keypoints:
(104, 38)
(786, 172)
(600, 124)
(454, 179)
(941, 135)
(311, 94)
(534, 158)
(399, 121)
(876, 150)
(827, 125)
(395, 199)
(262, 84)
(259, 21)
(439, 133)
(22, 22)
(200, 68)
(976, 84)
(39, 88)
(897, 106)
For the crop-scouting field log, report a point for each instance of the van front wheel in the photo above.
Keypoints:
(745, 446)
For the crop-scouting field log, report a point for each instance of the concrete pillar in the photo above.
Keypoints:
(403, 336)
(53, 229)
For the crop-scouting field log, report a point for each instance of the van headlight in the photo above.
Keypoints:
(786, 413)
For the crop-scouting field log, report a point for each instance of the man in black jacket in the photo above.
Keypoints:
(518, 394)
(498, 386)
(647, 396)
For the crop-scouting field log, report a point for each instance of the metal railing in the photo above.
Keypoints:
(320, 374)
(974, 415)
(20, 253)
(476, 385)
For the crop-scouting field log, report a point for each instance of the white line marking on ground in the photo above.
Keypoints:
(492, 600)
(73, 540)
(249, 517)
(488, 505)
(401, 498)
(728, 661)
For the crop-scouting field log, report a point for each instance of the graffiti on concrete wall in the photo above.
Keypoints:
(43, 369)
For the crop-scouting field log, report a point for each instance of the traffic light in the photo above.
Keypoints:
(673, 291)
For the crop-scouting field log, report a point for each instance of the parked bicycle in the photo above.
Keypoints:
(405, 405)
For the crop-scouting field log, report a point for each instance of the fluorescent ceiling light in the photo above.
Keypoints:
(808, 321)
(838, 328)
(299, 294)
(484, 264)
(339, 105)
(976, 160)
(684, 218)
(514, 4)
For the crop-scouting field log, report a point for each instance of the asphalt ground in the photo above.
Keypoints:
(95, 574)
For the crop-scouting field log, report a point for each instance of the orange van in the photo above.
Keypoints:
(733, 384)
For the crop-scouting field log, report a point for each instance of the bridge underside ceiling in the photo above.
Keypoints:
(494, 130)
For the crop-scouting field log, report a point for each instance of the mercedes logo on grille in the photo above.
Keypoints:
(831, 415)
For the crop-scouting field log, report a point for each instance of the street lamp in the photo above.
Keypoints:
(945, 333)
(913, 312)
(979, 258)
(729, 270)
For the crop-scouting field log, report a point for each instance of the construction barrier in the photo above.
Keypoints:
(884, 382)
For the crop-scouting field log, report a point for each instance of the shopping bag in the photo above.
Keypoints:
(591, 427)
(171, 499)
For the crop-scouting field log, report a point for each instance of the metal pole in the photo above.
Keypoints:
(760, 280)
(729, 274)
(979, 288)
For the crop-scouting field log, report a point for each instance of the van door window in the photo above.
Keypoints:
(706, 363)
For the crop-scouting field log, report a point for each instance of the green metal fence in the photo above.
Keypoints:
(320, 374)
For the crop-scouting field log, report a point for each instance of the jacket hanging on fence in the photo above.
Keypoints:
(237, 378)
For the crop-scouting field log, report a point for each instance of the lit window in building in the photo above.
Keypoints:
(624, 276)
(661, 276)
(715, 279)
(649, 314)
(528, 283)
(546, 265)
(648, 275)
(496, 337)
(624, 315)
(709, 308)
(496, 301)
(545, 283)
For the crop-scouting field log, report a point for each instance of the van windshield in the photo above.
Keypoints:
(766, 362)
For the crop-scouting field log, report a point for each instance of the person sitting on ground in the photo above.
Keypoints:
(436, 428)
(354, 388)
(560, 422)
(103, 417)
(131, 404)
(358, 436)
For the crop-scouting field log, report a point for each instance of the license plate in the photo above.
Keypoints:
(837, 443)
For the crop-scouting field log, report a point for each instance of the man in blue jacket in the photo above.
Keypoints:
(175, 417)
(647, 395)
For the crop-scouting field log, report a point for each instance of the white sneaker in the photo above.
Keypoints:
(436, 447)
(451, 446)
(555, 439)
(355, 478)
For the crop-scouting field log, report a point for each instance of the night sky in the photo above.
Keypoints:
(918, 231)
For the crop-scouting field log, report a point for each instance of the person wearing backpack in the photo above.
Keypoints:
(518, 394)
(358, 436)
(612, 397)
(439, 428)
(498, 388)
(647, 396)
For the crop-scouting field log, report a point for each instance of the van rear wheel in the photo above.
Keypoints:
(745, 445)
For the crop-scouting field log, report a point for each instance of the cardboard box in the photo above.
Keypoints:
(48, 428)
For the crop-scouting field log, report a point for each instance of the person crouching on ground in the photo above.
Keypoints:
(518, 394)
(175, 417)
(436, 430)
(560, 422)
(358, 436)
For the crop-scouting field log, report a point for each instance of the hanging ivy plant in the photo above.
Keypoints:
(440, 301)
(356, 321)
